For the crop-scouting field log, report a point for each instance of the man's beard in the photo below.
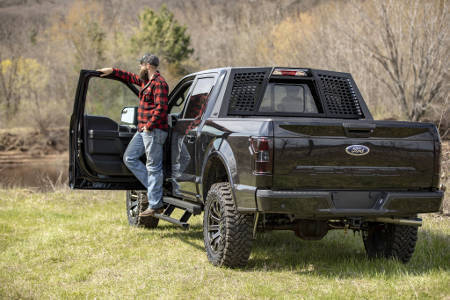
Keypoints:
(144, 75)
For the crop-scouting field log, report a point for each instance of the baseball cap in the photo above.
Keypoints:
(149, 59)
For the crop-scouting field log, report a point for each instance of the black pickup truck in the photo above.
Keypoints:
(269, 148)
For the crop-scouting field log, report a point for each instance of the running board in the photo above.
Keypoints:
(188, 207)
(193, 208)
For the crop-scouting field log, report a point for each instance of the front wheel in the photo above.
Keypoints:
(136, 203)
(226, 232)
(390, 241)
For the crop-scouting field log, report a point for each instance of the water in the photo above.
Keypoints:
(42, 173)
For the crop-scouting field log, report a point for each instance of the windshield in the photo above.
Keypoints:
(288, 98)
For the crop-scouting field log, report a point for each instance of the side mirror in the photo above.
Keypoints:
(172, 119)
(129, 115)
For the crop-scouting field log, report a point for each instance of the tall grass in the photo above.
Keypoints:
(71, 244)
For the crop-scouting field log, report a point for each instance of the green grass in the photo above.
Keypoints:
(71, 244)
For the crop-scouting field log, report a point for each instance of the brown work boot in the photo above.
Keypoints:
(151, 212)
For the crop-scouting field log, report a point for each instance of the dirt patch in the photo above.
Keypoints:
(33, 143)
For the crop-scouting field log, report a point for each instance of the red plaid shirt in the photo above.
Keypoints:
(152, 111)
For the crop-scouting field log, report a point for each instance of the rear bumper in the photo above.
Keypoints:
(347, 204)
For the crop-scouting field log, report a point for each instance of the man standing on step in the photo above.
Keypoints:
(152, 129)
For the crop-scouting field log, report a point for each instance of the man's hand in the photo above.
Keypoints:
(105, 71)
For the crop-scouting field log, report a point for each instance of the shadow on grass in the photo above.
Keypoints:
(195, 232)
(337, 255)
(340, 255)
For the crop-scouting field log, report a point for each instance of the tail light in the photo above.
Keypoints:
(437, 159)
(262, 149)
(290, 72)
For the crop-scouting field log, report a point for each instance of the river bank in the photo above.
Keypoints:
(42, 173)
(31, 159)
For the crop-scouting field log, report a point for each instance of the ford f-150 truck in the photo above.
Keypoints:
(270, 148)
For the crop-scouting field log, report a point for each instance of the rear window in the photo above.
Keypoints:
(288, 98)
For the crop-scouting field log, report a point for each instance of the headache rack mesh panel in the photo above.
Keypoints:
(340, 97)
(244, 92)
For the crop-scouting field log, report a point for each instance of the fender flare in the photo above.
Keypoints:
(221, 150)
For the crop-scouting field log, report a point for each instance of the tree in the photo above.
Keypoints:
(397, 51)
(409, 40)
(24, 81)
(81, 34)
(10, 95)
(161, 34)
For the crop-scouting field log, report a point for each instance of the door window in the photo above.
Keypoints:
(106, 97)
(197, 102)
(179, 100)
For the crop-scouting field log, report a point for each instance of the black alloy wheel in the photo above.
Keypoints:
(213, 226)
(136, 203)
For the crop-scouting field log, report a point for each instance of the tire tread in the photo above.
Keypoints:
(390, 241)
(238, 230)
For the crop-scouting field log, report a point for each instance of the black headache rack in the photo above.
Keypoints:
(335, 93)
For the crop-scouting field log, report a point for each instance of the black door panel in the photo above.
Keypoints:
(104, 147)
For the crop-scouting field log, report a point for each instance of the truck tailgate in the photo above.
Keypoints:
(312, 154)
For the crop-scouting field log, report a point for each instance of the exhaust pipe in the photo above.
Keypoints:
(407, 222)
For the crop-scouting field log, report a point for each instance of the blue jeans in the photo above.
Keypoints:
(151, 174)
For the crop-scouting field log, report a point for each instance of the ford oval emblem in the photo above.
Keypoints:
(357, 150)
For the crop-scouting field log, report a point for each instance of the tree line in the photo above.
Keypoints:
(397, 51)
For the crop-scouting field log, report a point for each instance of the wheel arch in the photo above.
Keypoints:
(219, 166)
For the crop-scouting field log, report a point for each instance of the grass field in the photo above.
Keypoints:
(71, 244)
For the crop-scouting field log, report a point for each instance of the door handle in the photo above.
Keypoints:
(190, 138)
(126, 134)
(358, 130)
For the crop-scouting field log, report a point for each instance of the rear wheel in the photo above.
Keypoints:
(136, 203)
(390, 241)
(227, 233)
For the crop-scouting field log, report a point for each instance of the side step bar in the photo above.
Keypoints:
(193, 208)
(188, 207)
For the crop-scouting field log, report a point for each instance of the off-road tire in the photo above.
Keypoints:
(136, 203)
(390, 241)
(233, 242)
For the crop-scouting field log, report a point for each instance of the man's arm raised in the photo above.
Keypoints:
(124, 75)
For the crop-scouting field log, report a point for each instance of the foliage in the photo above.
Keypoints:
(397, 51)
(22, 80)
(160, 33)
(411, 45)
(82, 32)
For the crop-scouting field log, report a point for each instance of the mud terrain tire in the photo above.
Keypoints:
(390, 241)
(226, 232)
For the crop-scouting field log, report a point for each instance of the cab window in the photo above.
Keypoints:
(178, 101)
(198, 99)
